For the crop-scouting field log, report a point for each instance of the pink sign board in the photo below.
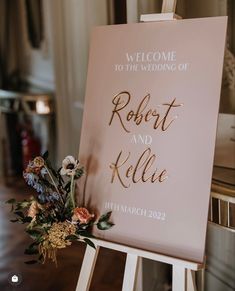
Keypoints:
(149, 130)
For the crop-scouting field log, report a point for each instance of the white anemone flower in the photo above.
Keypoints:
(69, 166)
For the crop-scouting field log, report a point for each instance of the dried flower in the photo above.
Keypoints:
(36, 166)
(82, 215)
(69, 166)
(58, 232)
(29, 178)
(47, 196)
(38, 162)
(56, 239)
(34, 209)
(50, 225)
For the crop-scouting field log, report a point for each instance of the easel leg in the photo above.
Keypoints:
(130, 272)
(201, 280)
(139, 276)
(87, 269)
(191, 282)
(179, 278)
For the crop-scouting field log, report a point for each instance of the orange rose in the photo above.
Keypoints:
(82, 215)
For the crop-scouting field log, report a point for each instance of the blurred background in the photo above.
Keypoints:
(44, 47)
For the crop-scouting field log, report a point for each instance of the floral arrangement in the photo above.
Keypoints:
(53, 218)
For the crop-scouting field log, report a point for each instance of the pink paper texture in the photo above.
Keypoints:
(149, 130)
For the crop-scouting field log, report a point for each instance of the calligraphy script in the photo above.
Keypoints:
(142, 113)
(142, 171)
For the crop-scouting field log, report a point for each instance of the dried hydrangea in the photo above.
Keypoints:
(58, 232)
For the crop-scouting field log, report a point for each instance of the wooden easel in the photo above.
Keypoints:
(183, 275)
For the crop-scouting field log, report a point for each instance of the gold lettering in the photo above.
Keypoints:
(129, 171)
(148, 165)
(164, 119)
(139, 165)
(140, 109)
(142, 114)
(115, 167)
(160, 177)
(140, 172)
(117, 100)
(130, 115)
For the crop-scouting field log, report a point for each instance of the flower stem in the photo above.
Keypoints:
(72, 191)
(53, 182)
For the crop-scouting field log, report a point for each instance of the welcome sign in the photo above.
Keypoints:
(149, 130)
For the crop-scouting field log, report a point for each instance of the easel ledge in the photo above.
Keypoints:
(159, 17)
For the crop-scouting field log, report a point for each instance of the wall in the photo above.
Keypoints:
(72, 22)
(37, 64)
(60, 65)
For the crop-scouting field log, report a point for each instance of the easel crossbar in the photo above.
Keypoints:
(194, 266)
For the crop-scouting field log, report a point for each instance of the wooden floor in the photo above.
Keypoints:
(109, 268)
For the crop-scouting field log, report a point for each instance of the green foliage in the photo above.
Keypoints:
(31, 262)
(45, 155)
(31, 251)
(23, 204)
(19, 213)
(72, 237)
(53, 203)
(34, 234)
(89, 242)
(105, 217)
(79, 173)
(14, 220)
(26, 219)
(104, 225)
(85, 233)
(11, 201)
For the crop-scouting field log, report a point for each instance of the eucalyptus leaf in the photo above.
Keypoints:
(31, 251)
(35, 234)
(90, 243)
(19, 213)
(54, 172)
(11, 201)
(33, 245)
(26, 219)
(79, 173)
(104, 225)
(14, 220)
(85, 233)
(31, 262)
(105, 217)
(72, 237)
(45, 155)
(60, 179)
(48, 163)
